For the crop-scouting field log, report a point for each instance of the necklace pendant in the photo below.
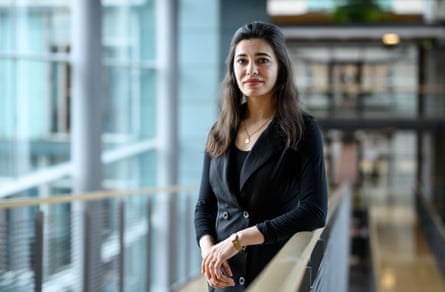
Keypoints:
(247, 141)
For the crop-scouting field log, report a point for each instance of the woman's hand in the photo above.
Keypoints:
(214, 263)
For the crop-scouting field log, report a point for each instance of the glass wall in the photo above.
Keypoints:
(35, 82)
(130, 89)
(34, 86)
(130, 76)
(36, 140)
(35, 132)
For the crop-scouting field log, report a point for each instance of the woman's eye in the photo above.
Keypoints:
(264, 60)
(240, 61)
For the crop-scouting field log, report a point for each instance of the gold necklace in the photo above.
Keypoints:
(247, 140)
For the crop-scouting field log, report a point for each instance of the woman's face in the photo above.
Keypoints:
(256, 67)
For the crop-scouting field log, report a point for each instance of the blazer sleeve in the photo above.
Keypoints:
(206, 206)
(311, 210)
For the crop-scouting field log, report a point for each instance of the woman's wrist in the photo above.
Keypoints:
(249, 236)
(206, 241)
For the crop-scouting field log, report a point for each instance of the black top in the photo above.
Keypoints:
(239, 157)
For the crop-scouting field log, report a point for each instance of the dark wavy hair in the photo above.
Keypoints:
(289, 114)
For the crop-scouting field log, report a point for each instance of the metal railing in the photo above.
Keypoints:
(434, 229)
(45, 242)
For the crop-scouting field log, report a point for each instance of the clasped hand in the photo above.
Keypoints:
(215, 266)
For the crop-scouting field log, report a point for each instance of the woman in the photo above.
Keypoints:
(263, 177)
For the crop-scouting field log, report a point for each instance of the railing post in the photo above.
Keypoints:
(316, 258)
(306, 282)
(92, 267)
(149, 232)
(38, 252)
(86, 251)
(188, 237)
(173, 239)
(121, 245)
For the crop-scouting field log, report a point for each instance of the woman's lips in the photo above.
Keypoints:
(252, 81)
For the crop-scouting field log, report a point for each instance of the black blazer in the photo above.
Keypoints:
(284, 192)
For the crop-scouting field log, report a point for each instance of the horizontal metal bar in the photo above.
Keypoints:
(27, 56)
(94, 196)
(415, 123)
(130, 64)
(129, 150)
(35, 179)
(53, 173)
(340, 32)
(66, 58)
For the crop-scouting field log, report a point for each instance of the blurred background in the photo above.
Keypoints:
(104, 111)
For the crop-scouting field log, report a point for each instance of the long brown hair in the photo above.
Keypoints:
(289, 113)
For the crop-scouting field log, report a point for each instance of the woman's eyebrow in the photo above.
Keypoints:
(257, 54)
(263, 54)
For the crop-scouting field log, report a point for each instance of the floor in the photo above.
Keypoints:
(401, 256)
(389, 250)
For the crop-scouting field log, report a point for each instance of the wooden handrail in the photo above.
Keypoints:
(286, 270)
(93, 196)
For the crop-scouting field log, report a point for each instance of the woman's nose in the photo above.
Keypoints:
(252, 69)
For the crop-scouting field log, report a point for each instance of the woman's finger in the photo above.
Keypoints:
(220, 283)
(226, 269)
(206, 263)
(221, 274)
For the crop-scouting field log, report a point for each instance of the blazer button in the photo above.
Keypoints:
(246, 214)
(225, 215)
(241, 281)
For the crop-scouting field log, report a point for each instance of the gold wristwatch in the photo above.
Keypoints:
(235, 242)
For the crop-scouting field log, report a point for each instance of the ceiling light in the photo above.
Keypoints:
(390, 39)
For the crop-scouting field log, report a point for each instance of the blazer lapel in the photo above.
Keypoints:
(221, 168)
(268, 144)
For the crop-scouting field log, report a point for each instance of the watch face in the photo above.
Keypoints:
(236, 244)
